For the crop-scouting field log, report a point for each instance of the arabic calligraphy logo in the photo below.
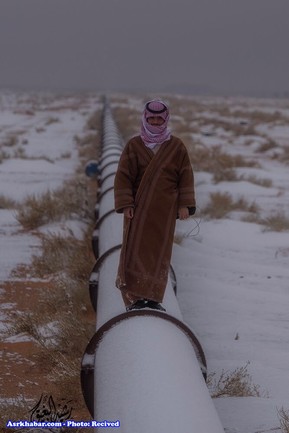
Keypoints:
(46, 410)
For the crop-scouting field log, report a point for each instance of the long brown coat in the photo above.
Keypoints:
(155, 185)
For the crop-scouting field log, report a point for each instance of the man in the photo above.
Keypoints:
(154, 185)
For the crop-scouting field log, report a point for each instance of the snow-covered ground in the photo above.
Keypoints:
(233, 280)
(233, 277)
(38, 153)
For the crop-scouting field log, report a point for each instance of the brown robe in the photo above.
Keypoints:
(155, 185)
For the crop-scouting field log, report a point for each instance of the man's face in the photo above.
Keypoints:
(155, 120)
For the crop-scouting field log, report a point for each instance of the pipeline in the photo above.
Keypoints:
(144, 369)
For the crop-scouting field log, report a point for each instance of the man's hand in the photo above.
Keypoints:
(183, 213)
(128, 212)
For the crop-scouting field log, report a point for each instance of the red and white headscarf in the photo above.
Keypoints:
(155, 134)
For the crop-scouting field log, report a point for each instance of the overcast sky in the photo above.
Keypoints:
(219, 46)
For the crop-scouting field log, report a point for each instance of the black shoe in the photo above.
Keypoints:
(155, 306)
(138, 305)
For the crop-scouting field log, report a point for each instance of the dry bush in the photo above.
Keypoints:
(237, 383)
(222, 203)
(28, 324)
(66, 355)
(37, 211)
(239, 129)
(53, 205)
(66, 254)
(201, 157)
(13, 409)
(71, 339)
(278, 222)
(183, 129)
(258, 116)
(10, 141)
(4, 155)
(225, 175)
(227, 161)
(94, 121)
(66, 155)
(285, 155)
(233, 127)
(187, 108)
(283, 416)
(215, 160)
(20, 153)
(7, 203)
(52, 120)
(128, 121)
(89, 139)
(65, 305)
(219, 206)
(120, 99)
(267, 145)
(265, 182)
(89, 145)
(40, 130)
(63, 345)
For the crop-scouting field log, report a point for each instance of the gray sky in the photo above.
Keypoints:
(219, 46)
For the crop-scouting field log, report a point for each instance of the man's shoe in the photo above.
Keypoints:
(138, 305)
(155, 306)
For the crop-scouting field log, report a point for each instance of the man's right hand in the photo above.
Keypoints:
(128, 212)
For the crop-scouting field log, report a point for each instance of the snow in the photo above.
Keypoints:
(16, 246)
(49, 156)
(248, 415)
(233, 277)
(233, 289)
(20, 178)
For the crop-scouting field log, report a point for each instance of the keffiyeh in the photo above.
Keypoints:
(153, 135)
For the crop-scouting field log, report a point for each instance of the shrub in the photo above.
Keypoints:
(10, 141)
(215, 160)
(226, 175)
(52, 120)
(3, 155)
(63, 253)
(258, 116)
(237, 383)
(127, 120)
(7, 203)
(53, 205)
(222, 203)
(285, 155)
(268, 145)
(16, 409)
(266, 183)
(277, 222)
(94, 120)
(283, 416)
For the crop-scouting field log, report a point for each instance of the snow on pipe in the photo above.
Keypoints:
(144, 369)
